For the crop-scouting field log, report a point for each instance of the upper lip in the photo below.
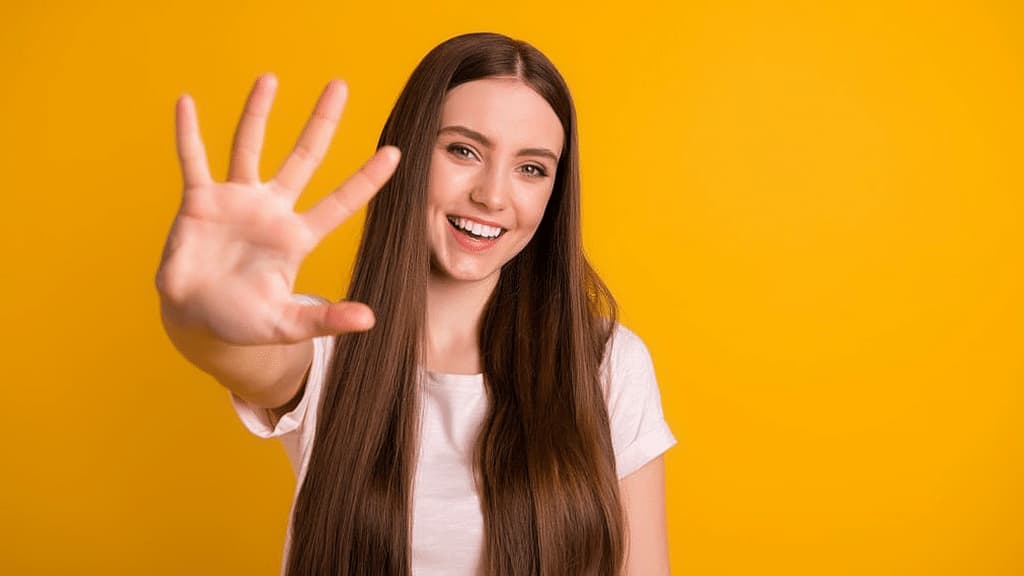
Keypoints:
(478, 220)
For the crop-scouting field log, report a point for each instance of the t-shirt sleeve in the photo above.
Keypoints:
(639, 430)
(295, 428)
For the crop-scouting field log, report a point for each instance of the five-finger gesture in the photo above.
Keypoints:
(235, 247)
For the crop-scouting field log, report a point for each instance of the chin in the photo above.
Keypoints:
(465, 274)
(462, 271)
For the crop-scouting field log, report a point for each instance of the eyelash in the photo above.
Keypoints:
(459, 151)
(540, 171)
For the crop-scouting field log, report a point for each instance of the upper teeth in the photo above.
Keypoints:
(475, 227)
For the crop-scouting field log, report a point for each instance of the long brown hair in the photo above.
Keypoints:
(544, 463)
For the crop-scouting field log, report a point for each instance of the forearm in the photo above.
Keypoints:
(267, 376)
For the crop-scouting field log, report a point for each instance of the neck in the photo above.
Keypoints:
(454, 312)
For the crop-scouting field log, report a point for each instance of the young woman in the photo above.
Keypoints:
(473, 407)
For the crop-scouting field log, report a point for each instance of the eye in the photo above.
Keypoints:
(461, 151)
(535, 170)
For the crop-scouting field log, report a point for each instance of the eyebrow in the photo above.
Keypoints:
(484, 140)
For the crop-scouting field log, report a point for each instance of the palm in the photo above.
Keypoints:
(240, 251)
(235, 247)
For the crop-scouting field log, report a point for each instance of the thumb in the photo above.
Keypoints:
(311, 316)
(347, 317)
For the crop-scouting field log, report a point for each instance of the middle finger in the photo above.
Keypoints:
(245, 153)
(312, 145)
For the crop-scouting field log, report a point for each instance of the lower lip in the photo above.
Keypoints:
(472, 244)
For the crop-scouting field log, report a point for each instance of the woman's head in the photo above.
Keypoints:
(492, 172)
(487, 129)
(479, 120)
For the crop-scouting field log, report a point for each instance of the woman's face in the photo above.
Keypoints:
(491, 175)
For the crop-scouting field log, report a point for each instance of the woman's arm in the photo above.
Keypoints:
(643, 500)
(269, 376)
(227, 272)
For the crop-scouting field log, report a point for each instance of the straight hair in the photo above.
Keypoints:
(543, 461)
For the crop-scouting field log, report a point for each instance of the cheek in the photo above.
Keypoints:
(446, 181)
(532, 206)
(435, 182)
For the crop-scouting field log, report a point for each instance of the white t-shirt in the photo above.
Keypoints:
(447, 521)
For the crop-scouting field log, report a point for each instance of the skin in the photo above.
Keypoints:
(227, 272)
(228, 268)
(494, 160)
(498, 167)
(643, 501)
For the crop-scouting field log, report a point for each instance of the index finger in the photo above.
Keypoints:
(191, 153)
(316, 137)
(340, 204)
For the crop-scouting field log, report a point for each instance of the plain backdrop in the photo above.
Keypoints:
(810, 211)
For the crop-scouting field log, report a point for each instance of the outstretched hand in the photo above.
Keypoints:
(235, 247)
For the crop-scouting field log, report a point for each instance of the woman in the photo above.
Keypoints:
(474, 407)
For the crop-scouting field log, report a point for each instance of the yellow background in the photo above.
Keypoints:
(810, 211)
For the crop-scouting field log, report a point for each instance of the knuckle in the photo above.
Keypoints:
(284, 330)
(324, 116)
(245, 148)
(251, 114)
(339, 205)
(306, 153)
(279, 333)
(169, 285)
(364, 179)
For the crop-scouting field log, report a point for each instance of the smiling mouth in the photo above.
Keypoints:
(476, 230)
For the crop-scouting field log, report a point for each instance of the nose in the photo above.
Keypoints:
(492, 189)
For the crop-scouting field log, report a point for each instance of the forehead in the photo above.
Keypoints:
(506, 110)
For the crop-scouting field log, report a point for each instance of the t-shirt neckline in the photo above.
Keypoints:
(455, 379)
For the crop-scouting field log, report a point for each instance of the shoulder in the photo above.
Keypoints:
(639, 430)
(626, 358)
(626, 344)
